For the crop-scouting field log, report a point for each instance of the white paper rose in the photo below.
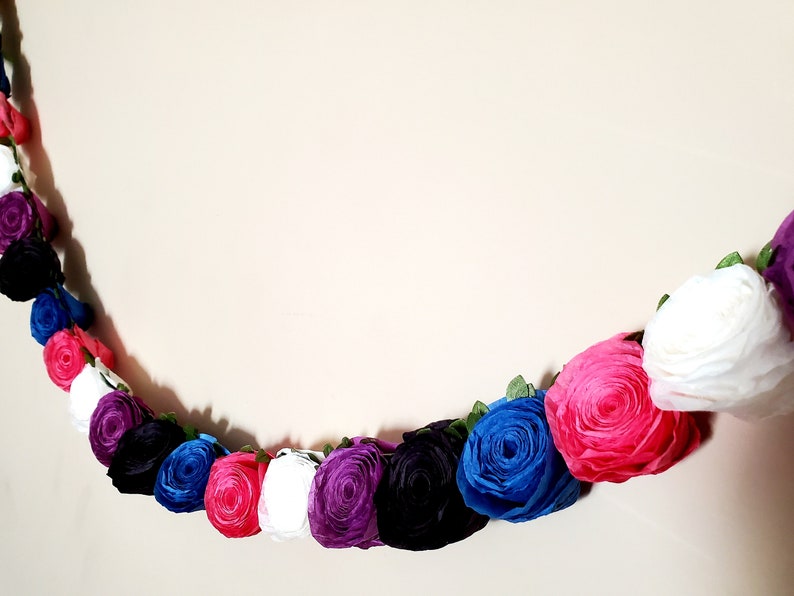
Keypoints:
(284, 501)
(8, 167)
(87, 389)
(719, 344)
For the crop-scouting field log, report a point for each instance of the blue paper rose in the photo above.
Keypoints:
(183, 475)
(510, 468)
(55, 309)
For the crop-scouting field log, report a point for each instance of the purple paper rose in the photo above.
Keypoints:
(115, 414)
(341, 507)
(780, 271)
(18, 218)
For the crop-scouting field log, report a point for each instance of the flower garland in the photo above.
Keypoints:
(625, 407)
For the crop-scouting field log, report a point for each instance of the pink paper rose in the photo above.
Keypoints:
(64, 356)
(603, 421)
(232, 494)
(12, 123)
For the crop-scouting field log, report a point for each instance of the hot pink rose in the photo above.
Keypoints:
(12, 123)
(603, 421)
(232, 494)
(64, 356)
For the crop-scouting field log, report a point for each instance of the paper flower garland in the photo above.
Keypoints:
(619, 409)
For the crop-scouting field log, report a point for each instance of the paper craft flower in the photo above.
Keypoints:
(55, 309)
(283, 504)
(115, 413)
(603, 421)
(510, 469)
(12, 123)
(341, 509)
(780, 271)
(183, 475)
(87, 388)
(719, 344)
(419, 506)
(140, 453)
(8, 167)
(232, 494)
(64, 357)
(18, 218)
(27, 268)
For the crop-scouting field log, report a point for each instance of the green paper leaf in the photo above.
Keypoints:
(190, 432)
(662, 300)
(729, 260)
(16, 177)
(422, 431)
(764, 257)
(554, 378)
(314, 458)
(170, 417)
(263, 457)
(517, 388)
(88, 357)
(346, 442)
(327, 449)
(480, 408)
(460, 427)
(124, 388)
(247, 449)
(532, 391)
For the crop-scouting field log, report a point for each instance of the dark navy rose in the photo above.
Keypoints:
(55, 309)
(20, 216)
(341, 507)
(510, 468)
(140, 453)
(419, 506)
(27, 268)
(184, 473)
(115, 413)
(780, 271)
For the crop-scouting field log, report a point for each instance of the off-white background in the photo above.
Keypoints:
(304, 219)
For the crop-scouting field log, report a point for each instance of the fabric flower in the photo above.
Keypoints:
(510, 469)
(12, 123)
(232, 494)
(341, 507)
(64, 356)
(419, 506)
(115, 413)
(603, 420)
(55, 309)
(27, 268)
(183, 475)
(140, 453)
(719, 344)
(283, 504)
(87, 388)
(19, 216)
(780, 271)
(8, 167)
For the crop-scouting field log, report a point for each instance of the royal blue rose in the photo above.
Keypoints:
(184, 473)
(510, 469)
(55, 309)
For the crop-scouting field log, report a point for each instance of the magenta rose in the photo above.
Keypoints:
(19, 216)
(603, 421)
(341, 507)
(780, 271)
(115, 414)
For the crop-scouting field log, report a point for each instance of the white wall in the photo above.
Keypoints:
(307, 219)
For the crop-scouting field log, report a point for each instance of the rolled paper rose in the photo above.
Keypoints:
(88, 387)
(780, 271)
(140, 453)
(64, 356)
(419, 506)
(12, 123)
(55, 309)
(283, 503)
(27, 268)
(115, 413)
(232, 494)
(19, 216)
(8, 167)
(603, 421)
(510, 469)
(341, 507)
(183, 475)
(719, 344)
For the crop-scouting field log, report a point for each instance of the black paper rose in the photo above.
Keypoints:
(140, 453)
(27, 268)
(418, 502)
